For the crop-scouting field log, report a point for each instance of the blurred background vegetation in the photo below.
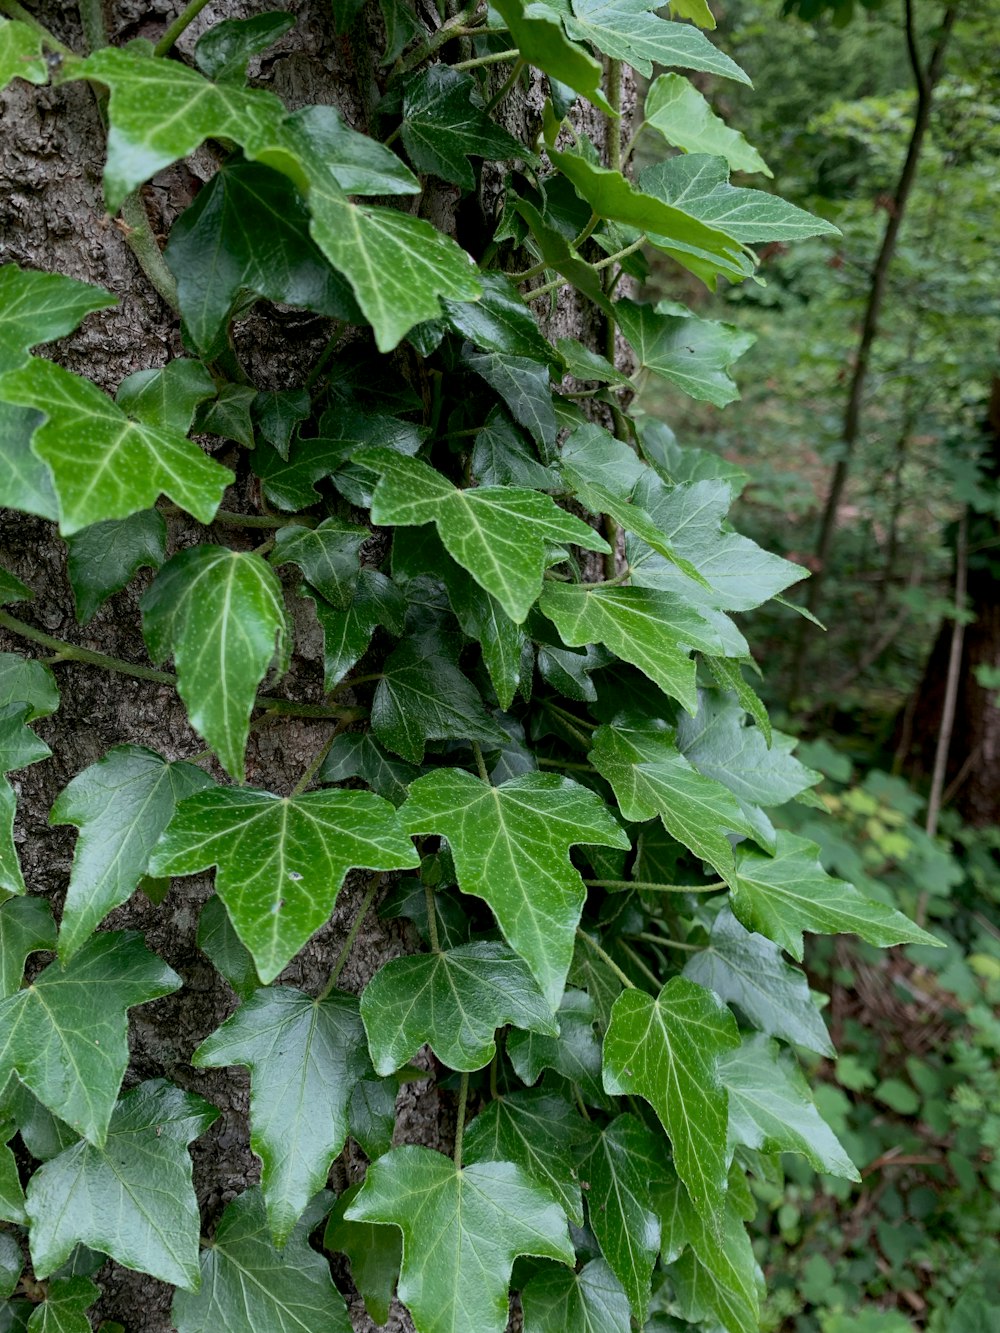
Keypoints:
(907, 586)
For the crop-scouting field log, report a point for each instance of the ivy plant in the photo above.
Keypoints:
(538, 737)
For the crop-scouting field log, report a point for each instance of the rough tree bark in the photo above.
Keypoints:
(52, 218)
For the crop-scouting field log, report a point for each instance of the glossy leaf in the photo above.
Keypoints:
(19, 747)
(347, 634)
(31, 684)
(668, 1050)
(65, 1035)
(305, 1058)
(21, 54)
(748, 970)
(502, 457)
(590, 1301)
(524, 386)
(224, 51)
(627, 30)
(121, 805)
(26, 926)
(168, 397)
(328, 556)
(228, 954)
(375, 1253)
(356, 754)
(40, 307)
(453, 1001)
(770, 1108)
(511, 847)
(575, 1053)
(105, 557)
(499, 321)
(693, 354)
(220, 614)
(97, 1196)
(678, 111)
(462, 1230)
(538, 32)
(444, 124)
(64, 1309)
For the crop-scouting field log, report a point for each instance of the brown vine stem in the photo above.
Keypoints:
(182, 21)
(605, 958)
(92, 20)
(352, 935)
(17, 11)
(645, 886)
(463, 1097)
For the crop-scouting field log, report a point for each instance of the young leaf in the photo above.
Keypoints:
(121, 805)
(444, 124)
(105, 557)
(770, 1108)
(221, 615)
(305, 1058)
(19, 747)
(328, 556)
(281, 860)
(21, 54)
(375, 1253)
(538, 33)
(64, 1308)
(98, 1196)
(682, 114)
(575, 1053)
(627, 30)
(500, 534)
(668, 1050)
(453, 1001)
(590, 1301)
(347, 634)
(511, 847)
(537, 1131)
(748, 970)
(783, 895)
(65, 1036)
(462, 1230)
(26, 926)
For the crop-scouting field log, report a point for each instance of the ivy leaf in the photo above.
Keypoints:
(678, 111)
(121, 805)
(444, 124)
(168, 397)
(221, 615)
(64, 1308)
(347, 634)
(422, 697)
(558, 254)
(694, 354)
(375, 1253)
(11, 1193)
(538, 33)
(305, 1058)
(651, 777)
(19, 747)
(372, 1115)
(21, 54)
(103, 464)
(30, 683)
(748, 970)
(783, 895)
(668, 1050)
(281, 860)
(653, 630)
(65, 1035)
(228, 414)
(357, 754)
(524, 386)
(618, 1169)
(627, 30)
(770, 1108)
(26, 926)
(501, 457)
(590, 1301)
(12, 589)
(569, 672)
(328, 555)
(98, 1196)
(499, 321)
(11, 1264)
(105, 557)
(596, 458)
(537, 1131)
(278, 412)
(40, 307)
(500, 534)
(453, 1001)
(511, 847)
(462, 1229)
(225, 50)
(575, 1053)
(248, 231)
(700, 185)
(219, 942)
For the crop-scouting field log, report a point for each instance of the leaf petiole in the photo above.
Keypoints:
(606, 958)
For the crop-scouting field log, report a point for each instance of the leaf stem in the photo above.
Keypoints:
(290, 708)
(650, 975)
(444, 34)
(140, 240)
(505, 87)
(228, 519)
(355, 680)
(17, 11)
(497, 58)
(543, 762)
(317, 760)
(432, 924)
(606, 958)
(644, 886)
(621, 254)
(480, 761)
(463, 1097)
(494, 1094)
(182, 21)
(649, 938)
(92, 19)
(352, 934)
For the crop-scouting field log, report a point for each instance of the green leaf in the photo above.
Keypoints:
(357, 754)
(453, 1001)
(501, 456)
(328, 555)
(105, 557)
(511, 848)
(25, 681)
(225, 50)
(538, 33)
(619, 1168)
(40, 307)
(537, 1131)
(676, 108)
(12, 589)
(585, 364)
(277, 414)
(626, 30)
(748, 970)
(499, 321)
(305, 1058)
(347, 634)
(770, 1108)
(575, 1053)
(500, 534)
(103, 464)
(64, 1308)
(99, 1196)
(228, 414)
(11, 1193)
(700, 185)
(651, 777)
(219, 942)
(372, 1115)
(444, 124)
(375, 1254)
(423, 697)
(19, 747)
(281, 860)
(655, 631)
(462, 1230)
(121, 805)
(220, 614)
(169, 397)
(248, 231)
(590, 1301)
(558, 254)
(668, 1050)
(11, 1264)
(21, 54)
(26, 926)
(693, 354)
(784, 895)
(524, 386)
